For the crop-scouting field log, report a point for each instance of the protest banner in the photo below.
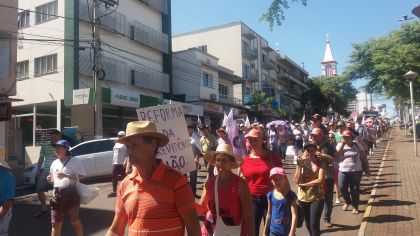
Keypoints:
(170, 120)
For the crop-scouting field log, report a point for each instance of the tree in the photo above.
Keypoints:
(329, 93)
(383, 61)
(260, 101)
(275, 13)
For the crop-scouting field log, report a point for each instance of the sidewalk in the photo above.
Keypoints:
(392, 208)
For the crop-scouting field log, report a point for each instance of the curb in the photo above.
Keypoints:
(363, 225)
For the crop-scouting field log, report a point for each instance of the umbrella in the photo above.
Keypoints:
(277, 123)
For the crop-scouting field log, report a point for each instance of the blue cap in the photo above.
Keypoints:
(63, 143)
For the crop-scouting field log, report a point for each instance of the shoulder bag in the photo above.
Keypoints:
(221, 228)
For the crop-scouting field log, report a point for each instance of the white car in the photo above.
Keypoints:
(96, 156)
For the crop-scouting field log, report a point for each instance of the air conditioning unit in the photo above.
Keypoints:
(213, 96)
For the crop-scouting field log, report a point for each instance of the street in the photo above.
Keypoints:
(97, 216)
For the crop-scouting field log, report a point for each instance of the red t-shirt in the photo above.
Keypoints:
(257, 172)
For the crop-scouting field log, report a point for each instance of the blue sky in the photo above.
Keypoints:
(302, 35)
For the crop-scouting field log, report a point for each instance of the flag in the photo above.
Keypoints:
(229, 121)
(235, 139)
(225, 117)
(199, 124)
(247, 123)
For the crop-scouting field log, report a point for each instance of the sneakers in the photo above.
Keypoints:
(337, 202)
(327, 224)
(345, 207)
(113, 194)
(355, 212)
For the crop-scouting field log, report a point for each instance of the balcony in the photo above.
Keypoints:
(250, 54)
(248, 33)
(160, 5)
(282, 74)
(145, 77)
(251, 77)
(146, 35)
(230, 100)
(114, 70)
(268, 84)
(112, 21)
(268, 65)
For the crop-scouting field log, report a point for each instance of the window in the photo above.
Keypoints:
(84, 149)
(245, 71)
(23, 19)
(223, 91)
(104, 146)
(207, 80)
(263, 57)
(264, 77)
(45, 65)
(5, 54)
(22, 70)
(46, 12)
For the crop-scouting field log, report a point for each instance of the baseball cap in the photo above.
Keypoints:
(277, 171)
(55, 131)
(254, 133)
(347, 133)
(121, 133)
(340, 123)
(63, 143)
(309, 144)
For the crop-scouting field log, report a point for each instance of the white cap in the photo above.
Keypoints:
(121, 133)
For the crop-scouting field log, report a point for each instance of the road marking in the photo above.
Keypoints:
(363, 225)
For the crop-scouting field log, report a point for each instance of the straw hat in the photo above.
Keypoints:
(143, 128)
(224, 149)
(3, 158)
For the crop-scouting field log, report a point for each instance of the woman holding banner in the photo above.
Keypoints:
(226, 197)
(256, 170)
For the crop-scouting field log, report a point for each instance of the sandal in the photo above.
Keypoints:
(41, 213)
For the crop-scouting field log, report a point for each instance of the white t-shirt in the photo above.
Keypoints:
(120, 152)
(74, 166)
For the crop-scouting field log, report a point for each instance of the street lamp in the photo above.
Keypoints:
(410, 76)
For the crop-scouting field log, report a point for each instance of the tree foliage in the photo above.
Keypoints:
(328, 93)
(383, 61)
(275, 13)
(260, 101)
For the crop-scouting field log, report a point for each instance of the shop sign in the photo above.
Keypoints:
(5, 111)
(170, 120)
(83, 96)
(125, 98)
(213, 107)
(189, 109)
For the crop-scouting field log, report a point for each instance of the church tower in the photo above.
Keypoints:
(329, 64)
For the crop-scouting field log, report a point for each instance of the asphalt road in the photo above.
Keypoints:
(97, 216)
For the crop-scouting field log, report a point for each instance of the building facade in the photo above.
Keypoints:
(249, 56)
(329, 64)
(200, 80)
(55, 65)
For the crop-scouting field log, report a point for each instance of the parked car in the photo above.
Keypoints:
(96, 156)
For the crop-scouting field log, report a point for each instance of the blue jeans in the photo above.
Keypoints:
(282, 149)
(328, 200)
(259, 209)
(352, 179)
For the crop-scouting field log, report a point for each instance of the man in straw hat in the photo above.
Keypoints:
(118, 170)
(7, 193)
(154, 198)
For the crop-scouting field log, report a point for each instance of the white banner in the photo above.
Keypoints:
(170, 120)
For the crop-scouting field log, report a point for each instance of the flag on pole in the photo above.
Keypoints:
(247, 123)
(225, 117)
(229, 120)
(199, 124)
(235, 139)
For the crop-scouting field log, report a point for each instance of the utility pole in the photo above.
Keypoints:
(97, 120)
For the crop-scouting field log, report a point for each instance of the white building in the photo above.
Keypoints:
(363, 102)
(200, 80)
(248, 55)
(54, 68)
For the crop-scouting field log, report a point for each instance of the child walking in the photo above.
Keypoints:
(282, 207)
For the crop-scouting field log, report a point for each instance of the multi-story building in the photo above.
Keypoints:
(248, 55)
(55, 64)
(200, 80)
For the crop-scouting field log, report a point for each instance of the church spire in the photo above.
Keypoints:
(329, 64)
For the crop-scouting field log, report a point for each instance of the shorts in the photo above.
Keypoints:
(118, 172)
(42, 184)
(71, 212)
